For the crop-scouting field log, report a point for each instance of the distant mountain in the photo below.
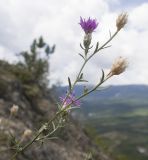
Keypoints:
(126, 91)
(114, 99)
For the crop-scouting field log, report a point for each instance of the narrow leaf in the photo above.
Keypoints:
(81, 76)
(102, 77)
(82, 56)
(69, 81)
(71, 108)
(107, 47)
(83, 80)
(97, 46)
(53, 125)
(82, 46)
(91, 47)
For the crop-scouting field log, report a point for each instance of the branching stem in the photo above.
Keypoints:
(72, 88)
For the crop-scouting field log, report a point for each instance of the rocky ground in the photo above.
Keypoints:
(73, 142)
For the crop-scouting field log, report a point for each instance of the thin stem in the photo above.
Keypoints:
(95, 88)
(87, 59)
(52, 132)
(103, 45)
(62, 110)
(79, 74)
(76, 80)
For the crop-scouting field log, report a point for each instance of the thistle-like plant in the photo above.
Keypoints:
(70, 100)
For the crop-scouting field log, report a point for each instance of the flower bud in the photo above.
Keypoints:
(14, 109)
(121, 21)
(87, 40)
(118, 66)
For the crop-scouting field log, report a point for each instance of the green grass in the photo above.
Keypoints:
(138, 112)
(120, 136)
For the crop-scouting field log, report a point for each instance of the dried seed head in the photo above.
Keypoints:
(121, 21)
(14, 109)
(118, 66)
(0, 121)
(27, 134)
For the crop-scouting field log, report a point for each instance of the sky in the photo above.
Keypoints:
(57, 21)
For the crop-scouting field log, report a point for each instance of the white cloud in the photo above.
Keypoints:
(57, 21)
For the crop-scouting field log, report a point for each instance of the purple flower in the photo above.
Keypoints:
(71, 99)
(88, 25)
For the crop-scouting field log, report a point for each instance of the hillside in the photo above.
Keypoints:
(117, 119)
(24, 84)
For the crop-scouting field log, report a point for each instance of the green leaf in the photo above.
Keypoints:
(53, 49)
(91, 47)
(59, 106)
(49, 50)
(83, 80)
(33, 47)
(82, 46)
(41, 42)
(72, 108)
(81, 76)
(82, 56)
(54, 127)
(69, 82)
(107, 47)
(102, 77)
(97, 46)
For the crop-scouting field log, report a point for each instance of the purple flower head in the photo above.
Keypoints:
(71, 99)
(88, 25)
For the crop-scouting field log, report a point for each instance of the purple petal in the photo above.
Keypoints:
(88, 25)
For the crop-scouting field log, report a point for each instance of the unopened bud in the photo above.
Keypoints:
(0, 121)
(121, 21)
(14, 109)
(118, 66)
(27, 134)
(87, 40)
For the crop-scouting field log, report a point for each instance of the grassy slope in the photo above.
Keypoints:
(121, 128)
